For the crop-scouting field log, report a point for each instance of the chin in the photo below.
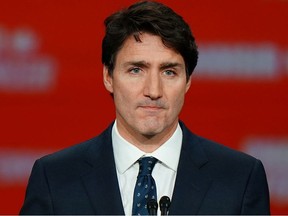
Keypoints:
(151, 131)
(149, 135)
(151, 127)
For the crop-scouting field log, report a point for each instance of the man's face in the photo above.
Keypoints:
(149, 84)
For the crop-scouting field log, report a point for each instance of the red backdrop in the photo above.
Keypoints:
(52, 96)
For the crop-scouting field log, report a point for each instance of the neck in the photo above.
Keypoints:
(147, 143)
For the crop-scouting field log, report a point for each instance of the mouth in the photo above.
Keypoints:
(151, 108)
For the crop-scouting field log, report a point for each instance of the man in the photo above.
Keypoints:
(149, 54)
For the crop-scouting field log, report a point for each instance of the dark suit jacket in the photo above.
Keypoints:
(211, 179)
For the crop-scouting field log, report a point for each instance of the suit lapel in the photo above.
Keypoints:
(192, 182)
(100, 180)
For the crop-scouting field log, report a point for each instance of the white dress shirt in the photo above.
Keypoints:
(164, 172)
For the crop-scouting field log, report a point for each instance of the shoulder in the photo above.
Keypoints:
(237, 176)
(75, 156)
(216, 153)
(221, 163)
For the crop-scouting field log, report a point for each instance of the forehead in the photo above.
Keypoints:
(150, 49)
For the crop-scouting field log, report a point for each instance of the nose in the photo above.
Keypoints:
(153, 86)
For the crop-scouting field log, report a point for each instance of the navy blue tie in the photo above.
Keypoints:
(145, 188)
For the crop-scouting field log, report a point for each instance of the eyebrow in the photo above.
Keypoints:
(137, 64)
(145, 64)
(171, 65)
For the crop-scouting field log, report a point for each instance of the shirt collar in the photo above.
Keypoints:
(126, 154)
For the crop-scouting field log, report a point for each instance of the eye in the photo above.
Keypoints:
(169, 73)
(135, 70)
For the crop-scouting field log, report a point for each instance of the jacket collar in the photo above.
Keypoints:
(192, 182)
(100, 180)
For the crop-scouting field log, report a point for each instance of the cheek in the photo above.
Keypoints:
(177, 100)
(123, 96)
(128, 90)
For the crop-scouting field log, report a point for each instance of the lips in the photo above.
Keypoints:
(151, 109)
(152, 106)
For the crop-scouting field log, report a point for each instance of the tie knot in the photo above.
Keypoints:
(146, 165)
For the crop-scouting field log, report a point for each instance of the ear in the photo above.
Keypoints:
(108, 80)
(188, 84)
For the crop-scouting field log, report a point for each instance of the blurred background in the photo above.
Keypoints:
(52, 96)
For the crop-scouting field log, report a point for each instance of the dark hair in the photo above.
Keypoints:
(150, 17)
